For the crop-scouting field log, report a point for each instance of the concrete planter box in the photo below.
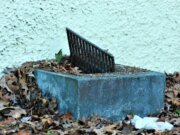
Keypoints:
(109, 95)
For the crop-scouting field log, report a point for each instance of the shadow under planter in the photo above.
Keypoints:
(110, 95)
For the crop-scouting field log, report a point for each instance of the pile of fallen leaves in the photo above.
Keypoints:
(25, 111)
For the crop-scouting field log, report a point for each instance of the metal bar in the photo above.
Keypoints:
(87, 56)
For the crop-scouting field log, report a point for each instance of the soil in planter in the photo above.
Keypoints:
(66, 67)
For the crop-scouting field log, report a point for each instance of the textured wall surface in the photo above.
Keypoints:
(144, 33)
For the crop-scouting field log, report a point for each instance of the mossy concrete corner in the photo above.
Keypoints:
(109, 95)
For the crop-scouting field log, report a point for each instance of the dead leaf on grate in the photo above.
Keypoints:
(75, 70)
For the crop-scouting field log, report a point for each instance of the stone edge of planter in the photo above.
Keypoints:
(70, 100)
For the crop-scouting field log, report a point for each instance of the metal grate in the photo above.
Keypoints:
(87, 56)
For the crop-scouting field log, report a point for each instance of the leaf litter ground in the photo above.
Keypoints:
(25, 111)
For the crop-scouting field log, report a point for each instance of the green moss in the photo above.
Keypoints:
(59, 56)
(177, 111)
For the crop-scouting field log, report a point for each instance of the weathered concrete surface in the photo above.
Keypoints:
(112, 96)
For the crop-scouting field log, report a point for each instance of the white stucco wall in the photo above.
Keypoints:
(144, 33)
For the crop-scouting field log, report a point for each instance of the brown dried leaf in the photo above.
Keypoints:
(3, 84)
(16, 112)
(12, 85)
(170, 95)
(174, 101)
(12, 82)
(67, 117)
(110, 128)
(24, 87)
(31, 123)
(83, 119)
(3, 104)
(46, 120)
(23, 132)
(7, 121)
(6, 96)
(177, 76)
(176, 121)
(53, 103)
(176, 92)
(99, 131)
(127, 128)
(175, 131)
(177, 86)
(161, 120)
